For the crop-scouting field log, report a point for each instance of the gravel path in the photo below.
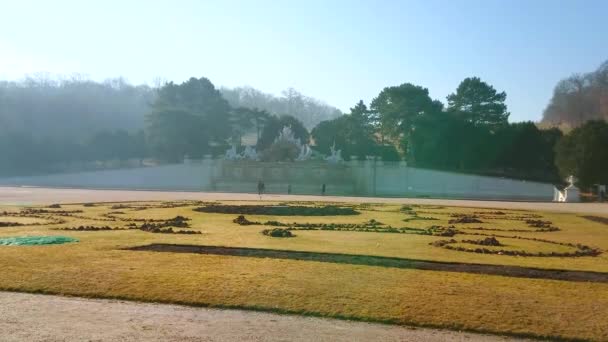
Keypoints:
(29, 317)
(30, 195)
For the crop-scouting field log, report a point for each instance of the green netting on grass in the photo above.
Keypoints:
(35, 240)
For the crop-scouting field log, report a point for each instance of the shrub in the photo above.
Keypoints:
(278, 232)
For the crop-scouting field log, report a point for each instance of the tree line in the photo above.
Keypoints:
(47, 120)
(468, 133)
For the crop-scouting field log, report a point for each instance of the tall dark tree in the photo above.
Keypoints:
(479, 103)
(523, 150)
(583, 153)
(259, 119)
(186, 118)
(332, 132)
(396, 109)
(241, 121)
(351, 133)
(174, 133)
(447, 142)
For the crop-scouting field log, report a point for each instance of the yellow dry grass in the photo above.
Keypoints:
(98, 267)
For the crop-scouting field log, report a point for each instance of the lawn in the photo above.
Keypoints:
(365, 261)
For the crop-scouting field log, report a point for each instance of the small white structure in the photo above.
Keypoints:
(571, 193)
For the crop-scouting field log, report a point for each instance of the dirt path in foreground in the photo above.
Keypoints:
(30, 195)
(29, 317)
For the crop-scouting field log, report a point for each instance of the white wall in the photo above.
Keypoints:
(353, 178)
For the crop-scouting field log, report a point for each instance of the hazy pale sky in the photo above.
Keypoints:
(337, 51)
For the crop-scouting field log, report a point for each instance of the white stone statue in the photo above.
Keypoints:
(336, 155)
(286, 135)
(250, 154)
(231, 154)
(570, 194)
(305, 153)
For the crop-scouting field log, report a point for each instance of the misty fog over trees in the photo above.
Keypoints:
(72, 108)
(46, 124)
(46, 119)
(308, 110)
(579, 98)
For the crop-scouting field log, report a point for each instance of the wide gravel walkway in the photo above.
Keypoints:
(34, 195)
(29, 317)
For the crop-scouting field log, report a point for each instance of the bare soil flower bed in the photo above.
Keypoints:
(10, 224)
(277, 210)
(91, 228)
(34, 211)
(354, 259)
(599, 219)
(154, 228)
(372, 226)
(179, 221)
(581, 250)
(278, 232)
(243, 221)
(51, 220)
(489, 241)
(517, 230)
(539, 223)
(465, 219)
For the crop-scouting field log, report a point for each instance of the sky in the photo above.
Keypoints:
(337, 51)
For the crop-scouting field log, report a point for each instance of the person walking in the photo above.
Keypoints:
(261, 188)
(289, 189)
(323, 189)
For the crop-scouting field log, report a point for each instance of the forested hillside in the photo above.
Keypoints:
(71, 109)
(308, 110)
(579, 98)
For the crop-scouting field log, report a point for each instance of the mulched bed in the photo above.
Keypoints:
(599, 219)
(278, 232)
(277, 210)
(51, 220)
(161, 205)
(502, 270)
(243, 221)
(10, 224)
(153, 228)
(539, 223)
(465, 219)
(517, 230)
(489, 241)
(371, 226)
(91, 228)
(581, 250)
